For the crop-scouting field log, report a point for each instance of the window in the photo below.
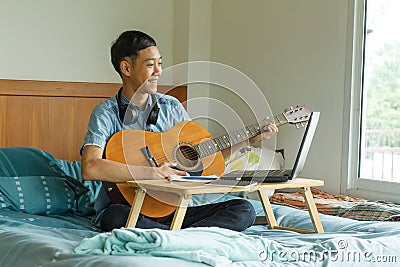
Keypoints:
(374, 139)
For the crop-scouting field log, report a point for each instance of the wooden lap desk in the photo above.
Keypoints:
(187, 189)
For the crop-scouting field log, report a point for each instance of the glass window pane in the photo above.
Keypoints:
(380, 140)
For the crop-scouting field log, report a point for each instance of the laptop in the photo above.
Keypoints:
(272, 176)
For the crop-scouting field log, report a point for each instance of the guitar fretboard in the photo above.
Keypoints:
(222, 142)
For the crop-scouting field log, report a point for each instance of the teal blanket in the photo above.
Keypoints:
(213, 246)
(220, 247)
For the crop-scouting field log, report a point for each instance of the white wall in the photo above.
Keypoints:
(192, 42)
(295, 52)
(70, 40)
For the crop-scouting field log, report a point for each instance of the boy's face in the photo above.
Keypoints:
(145, 70)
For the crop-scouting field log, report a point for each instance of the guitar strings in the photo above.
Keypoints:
(189, 154)
(192, 154)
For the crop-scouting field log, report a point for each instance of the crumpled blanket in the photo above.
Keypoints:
(210, 245)
(221, 247)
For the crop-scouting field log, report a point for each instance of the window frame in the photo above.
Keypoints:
(351, 183)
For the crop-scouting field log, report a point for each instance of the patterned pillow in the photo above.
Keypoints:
(31, 180)
(26, 161)
(40, 194)
(85, 203)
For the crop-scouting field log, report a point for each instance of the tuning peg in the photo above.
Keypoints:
(297, 126)
(302, 124)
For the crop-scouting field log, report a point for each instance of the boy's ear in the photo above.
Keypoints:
(125, 68)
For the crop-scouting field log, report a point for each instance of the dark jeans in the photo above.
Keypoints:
(234, 214)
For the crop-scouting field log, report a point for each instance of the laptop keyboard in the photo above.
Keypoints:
(256, 173)
(233, 182)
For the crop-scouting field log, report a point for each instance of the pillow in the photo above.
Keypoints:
(85, 203)
(31, 180)
(254, 158)
(26, 161)
(40, 194)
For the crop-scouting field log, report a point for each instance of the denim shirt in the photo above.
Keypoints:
(105, 121)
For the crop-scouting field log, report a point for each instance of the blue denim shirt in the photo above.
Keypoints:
(105, 121)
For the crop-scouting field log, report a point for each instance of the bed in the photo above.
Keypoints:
(46, 208)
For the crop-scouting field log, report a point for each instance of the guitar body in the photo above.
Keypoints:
(177, 145)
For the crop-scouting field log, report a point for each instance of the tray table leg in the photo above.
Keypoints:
(312, 210)
(135, 208)
(269, 214)
(180, 212)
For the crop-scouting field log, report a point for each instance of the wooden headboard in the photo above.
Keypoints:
(53, 116)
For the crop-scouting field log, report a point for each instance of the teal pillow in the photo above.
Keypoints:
(85, 203)
(31, 178)
(40, 194)
(26, 161)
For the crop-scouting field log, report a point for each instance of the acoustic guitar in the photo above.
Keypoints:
(187, 144)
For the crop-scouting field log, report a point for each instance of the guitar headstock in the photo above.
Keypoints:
(297, 115)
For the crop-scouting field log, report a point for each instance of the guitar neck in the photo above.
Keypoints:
(222, 142)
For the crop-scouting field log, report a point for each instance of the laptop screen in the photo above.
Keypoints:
(305, 144)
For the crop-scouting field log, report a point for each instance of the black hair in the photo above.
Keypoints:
(128, 44)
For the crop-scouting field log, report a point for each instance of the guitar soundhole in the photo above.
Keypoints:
(187, 156)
